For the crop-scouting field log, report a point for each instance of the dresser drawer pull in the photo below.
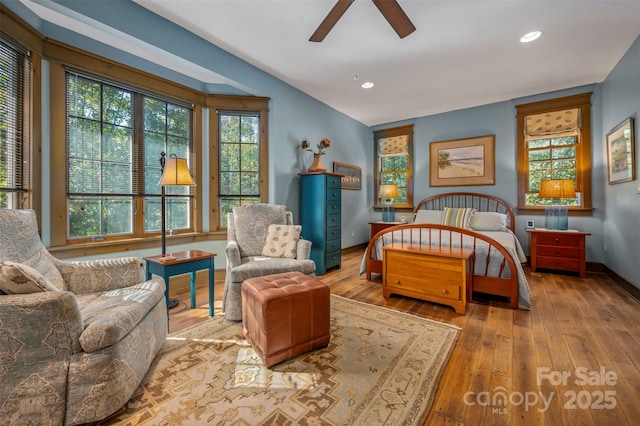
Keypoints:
(398, 282)
(334, 207)
(444, 291)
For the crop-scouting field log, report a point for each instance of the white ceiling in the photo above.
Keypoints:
(464, 53)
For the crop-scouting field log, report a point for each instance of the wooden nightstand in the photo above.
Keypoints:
(560, 250)
(379, 226)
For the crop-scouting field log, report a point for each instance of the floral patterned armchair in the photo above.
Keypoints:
(76, 353)
(247, 229)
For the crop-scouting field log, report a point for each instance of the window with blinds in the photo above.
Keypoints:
(115, 137)
(554, 143)
(15, 123)
(239, 139)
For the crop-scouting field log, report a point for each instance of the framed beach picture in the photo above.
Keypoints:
(621, 153)
(351, 175)
(462, 162)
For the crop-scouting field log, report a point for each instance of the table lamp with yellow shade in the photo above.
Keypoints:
(386, 193)
(557, 215)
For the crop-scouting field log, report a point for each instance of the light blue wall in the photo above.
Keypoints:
(499, 119)
(294, 115)
(620, 100)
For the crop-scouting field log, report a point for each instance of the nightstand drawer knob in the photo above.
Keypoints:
(557, 251)
(557, 240)
(398, 282)
(444, 291)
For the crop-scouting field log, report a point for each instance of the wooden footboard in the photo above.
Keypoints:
(502, 283)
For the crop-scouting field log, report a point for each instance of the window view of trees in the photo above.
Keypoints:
(550, 158)
(239, 161)
(394, 170)
(106, 159)
(15, 74)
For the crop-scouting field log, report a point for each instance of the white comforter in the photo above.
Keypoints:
(507, 239)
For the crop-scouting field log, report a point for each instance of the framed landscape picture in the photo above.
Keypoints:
(620, 153)
(351, 175)
(462, 162)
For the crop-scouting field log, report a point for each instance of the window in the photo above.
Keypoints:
(239, 138)
(115, 137)
(15, 125)
(393, 159)
(554, 142)
(239, 158)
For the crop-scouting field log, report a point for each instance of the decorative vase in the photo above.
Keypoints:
(316, 166)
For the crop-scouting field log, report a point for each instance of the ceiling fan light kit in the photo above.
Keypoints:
(390, 9)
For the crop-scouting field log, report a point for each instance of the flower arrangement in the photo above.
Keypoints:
(324, 144)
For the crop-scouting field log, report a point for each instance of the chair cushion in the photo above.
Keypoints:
(112, 315)
(282, 241)
(259, 266)
(16, 278)
(252, 223)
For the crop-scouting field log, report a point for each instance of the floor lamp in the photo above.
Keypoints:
(175, 172)
(386, 193)
(556, 216)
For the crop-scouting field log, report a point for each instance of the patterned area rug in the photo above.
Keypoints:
(381, 368)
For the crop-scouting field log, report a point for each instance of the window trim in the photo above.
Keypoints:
(235, 103)
(387, 133)
(583, 151)
(63, 56)
(31, 40)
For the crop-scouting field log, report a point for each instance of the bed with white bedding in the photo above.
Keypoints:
(469, 220)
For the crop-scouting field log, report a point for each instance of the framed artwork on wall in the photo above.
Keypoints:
(621, 153)
(462, 162)
(352, 175)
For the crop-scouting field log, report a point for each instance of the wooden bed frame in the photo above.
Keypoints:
(505, 284)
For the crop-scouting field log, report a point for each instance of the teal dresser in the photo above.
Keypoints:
(320, 210)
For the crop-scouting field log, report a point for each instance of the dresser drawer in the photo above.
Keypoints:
(333, 220)
(558, 240)
(557, 251)
(333, 207)
(334, 194)
(332, 260)
(429, 287)
(333, 246)
(558, 263)
(333, 233)
(334, 182)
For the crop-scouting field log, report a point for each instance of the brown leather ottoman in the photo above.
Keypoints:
(285, 315)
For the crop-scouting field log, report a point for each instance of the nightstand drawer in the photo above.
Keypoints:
(558, 263)
(559, 240)
(558, 251)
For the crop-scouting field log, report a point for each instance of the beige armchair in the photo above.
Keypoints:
(247, 229)
(76, 353)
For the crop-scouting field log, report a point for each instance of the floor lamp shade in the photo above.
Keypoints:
(556, 216)
(175, 172)
(386, 193)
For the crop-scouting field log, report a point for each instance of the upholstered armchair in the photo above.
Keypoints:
(252, 250)
(76, 338)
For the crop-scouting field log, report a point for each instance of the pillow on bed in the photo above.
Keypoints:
(428, 216)
(488, 221)
(458, 217)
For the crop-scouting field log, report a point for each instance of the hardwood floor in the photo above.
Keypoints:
(574, 359)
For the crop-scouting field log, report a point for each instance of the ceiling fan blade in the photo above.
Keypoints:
(396, 17)
(334, 15)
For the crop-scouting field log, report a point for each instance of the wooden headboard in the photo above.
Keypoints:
(480, 202)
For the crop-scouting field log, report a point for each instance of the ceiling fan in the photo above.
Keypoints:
(390, 9)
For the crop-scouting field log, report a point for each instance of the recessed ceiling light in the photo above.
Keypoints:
(533, 35)
(367, 85)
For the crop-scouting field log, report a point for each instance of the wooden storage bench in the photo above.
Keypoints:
(435, 274)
